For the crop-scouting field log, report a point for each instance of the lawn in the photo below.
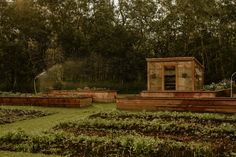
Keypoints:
(20, 154)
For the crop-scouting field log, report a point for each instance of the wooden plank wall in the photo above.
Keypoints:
(105, 96)
(185, 94)
(179, 94)
(223, 105)
(47, 101)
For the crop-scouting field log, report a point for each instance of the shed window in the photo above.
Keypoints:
(169, 78)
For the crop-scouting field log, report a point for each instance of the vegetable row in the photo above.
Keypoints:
(169, 116)
(155, 126)
(124, 146)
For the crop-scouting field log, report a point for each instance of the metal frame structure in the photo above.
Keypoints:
(37, 76)
(231, 84)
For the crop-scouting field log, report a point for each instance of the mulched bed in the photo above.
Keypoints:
(12, 115)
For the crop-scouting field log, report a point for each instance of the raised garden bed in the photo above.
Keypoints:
(104, 96)
(224, 105)
(47, 101)
(186, 94)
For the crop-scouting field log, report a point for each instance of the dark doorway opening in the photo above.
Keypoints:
(170, 78)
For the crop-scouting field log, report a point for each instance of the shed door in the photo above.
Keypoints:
(169, 78)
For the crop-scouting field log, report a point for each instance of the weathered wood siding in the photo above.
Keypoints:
(184, 73)
(186, 94)
(198, 77)
(223, 105)
(104, 96)
(184, 78)
(180, 94)
(47, 101)
(188, 73)
(155, 76)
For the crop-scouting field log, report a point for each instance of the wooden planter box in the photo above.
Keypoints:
(186, 94)
(104, 96)
(224, 105)
(47, 101)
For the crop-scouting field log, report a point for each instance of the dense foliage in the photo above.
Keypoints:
(111, 39)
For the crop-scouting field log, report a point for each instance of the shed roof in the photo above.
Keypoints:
(174, 59)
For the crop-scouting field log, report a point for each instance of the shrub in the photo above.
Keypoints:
(224, 84)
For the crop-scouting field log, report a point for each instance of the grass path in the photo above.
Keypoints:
(21, 154)
(37, 125)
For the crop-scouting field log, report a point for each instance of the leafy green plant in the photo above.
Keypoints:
(150, 127)
(224, 84)
(168, 116)
(58, 143)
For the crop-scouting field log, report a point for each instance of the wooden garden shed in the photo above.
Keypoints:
(176, 84)
(174, 74)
